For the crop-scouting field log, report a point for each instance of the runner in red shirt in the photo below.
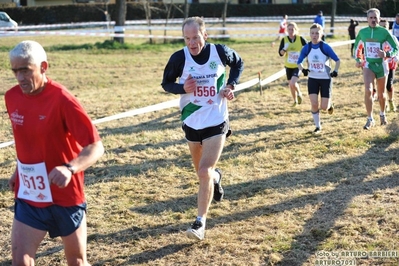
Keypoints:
(282, 32)
(55, 142)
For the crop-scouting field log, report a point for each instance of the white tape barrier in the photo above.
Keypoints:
(175, 102)
(147, 109)
(335, 44)
(105, 33)
(153, 27)
(6, 144)
(85, 33)
(305, 19)
(130, 24)
(110, 30)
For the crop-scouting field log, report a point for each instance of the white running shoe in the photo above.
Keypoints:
(369, 124)
(196, 231)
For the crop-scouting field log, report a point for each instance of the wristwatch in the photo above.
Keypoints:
(70, 168)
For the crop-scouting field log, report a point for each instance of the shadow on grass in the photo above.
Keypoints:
(332, 204)
(147, 256)
(143, 257)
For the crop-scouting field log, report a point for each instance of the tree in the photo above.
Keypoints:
(120, 19)
(147, 9)
(224, 15)
(186, 8)
(333, 12)
(365, 4)
(168, 10)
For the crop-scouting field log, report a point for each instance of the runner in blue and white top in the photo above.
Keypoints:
(395, 27)
(200, 69)
(318, 54)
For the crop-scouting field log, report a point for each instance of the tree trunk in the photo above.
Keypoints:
(147, 9)
(333, 12)
(168, 11)
(120, 20)
(224, 15)
(186, 8)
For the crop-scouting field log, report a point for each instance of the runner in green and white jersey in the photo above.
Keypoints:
(370, 54)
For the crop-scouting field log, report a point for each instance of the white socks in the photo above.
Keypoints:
(202, 220)
(316, 119)
(216, 181)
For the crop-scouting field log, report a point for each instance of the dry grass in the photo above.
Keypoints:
(289, 194)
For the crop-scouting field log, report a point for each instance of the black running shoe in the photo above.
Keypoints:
(218, 191)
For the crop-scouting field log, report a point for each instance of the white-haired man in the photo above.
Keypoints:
(55, 142)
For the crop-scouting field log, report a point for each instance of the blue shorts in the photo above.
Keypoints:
(200, 135)
(56, 220)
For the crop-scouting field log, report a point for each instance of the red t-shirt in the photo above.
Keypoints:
(283, 26)
(51, 127)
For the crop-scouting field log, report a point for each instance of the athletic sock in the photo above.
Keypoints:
(201, 219)
(217, 179)
(316, 118)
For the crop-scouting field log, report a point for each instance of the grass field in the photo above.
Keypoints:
(292, 198)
